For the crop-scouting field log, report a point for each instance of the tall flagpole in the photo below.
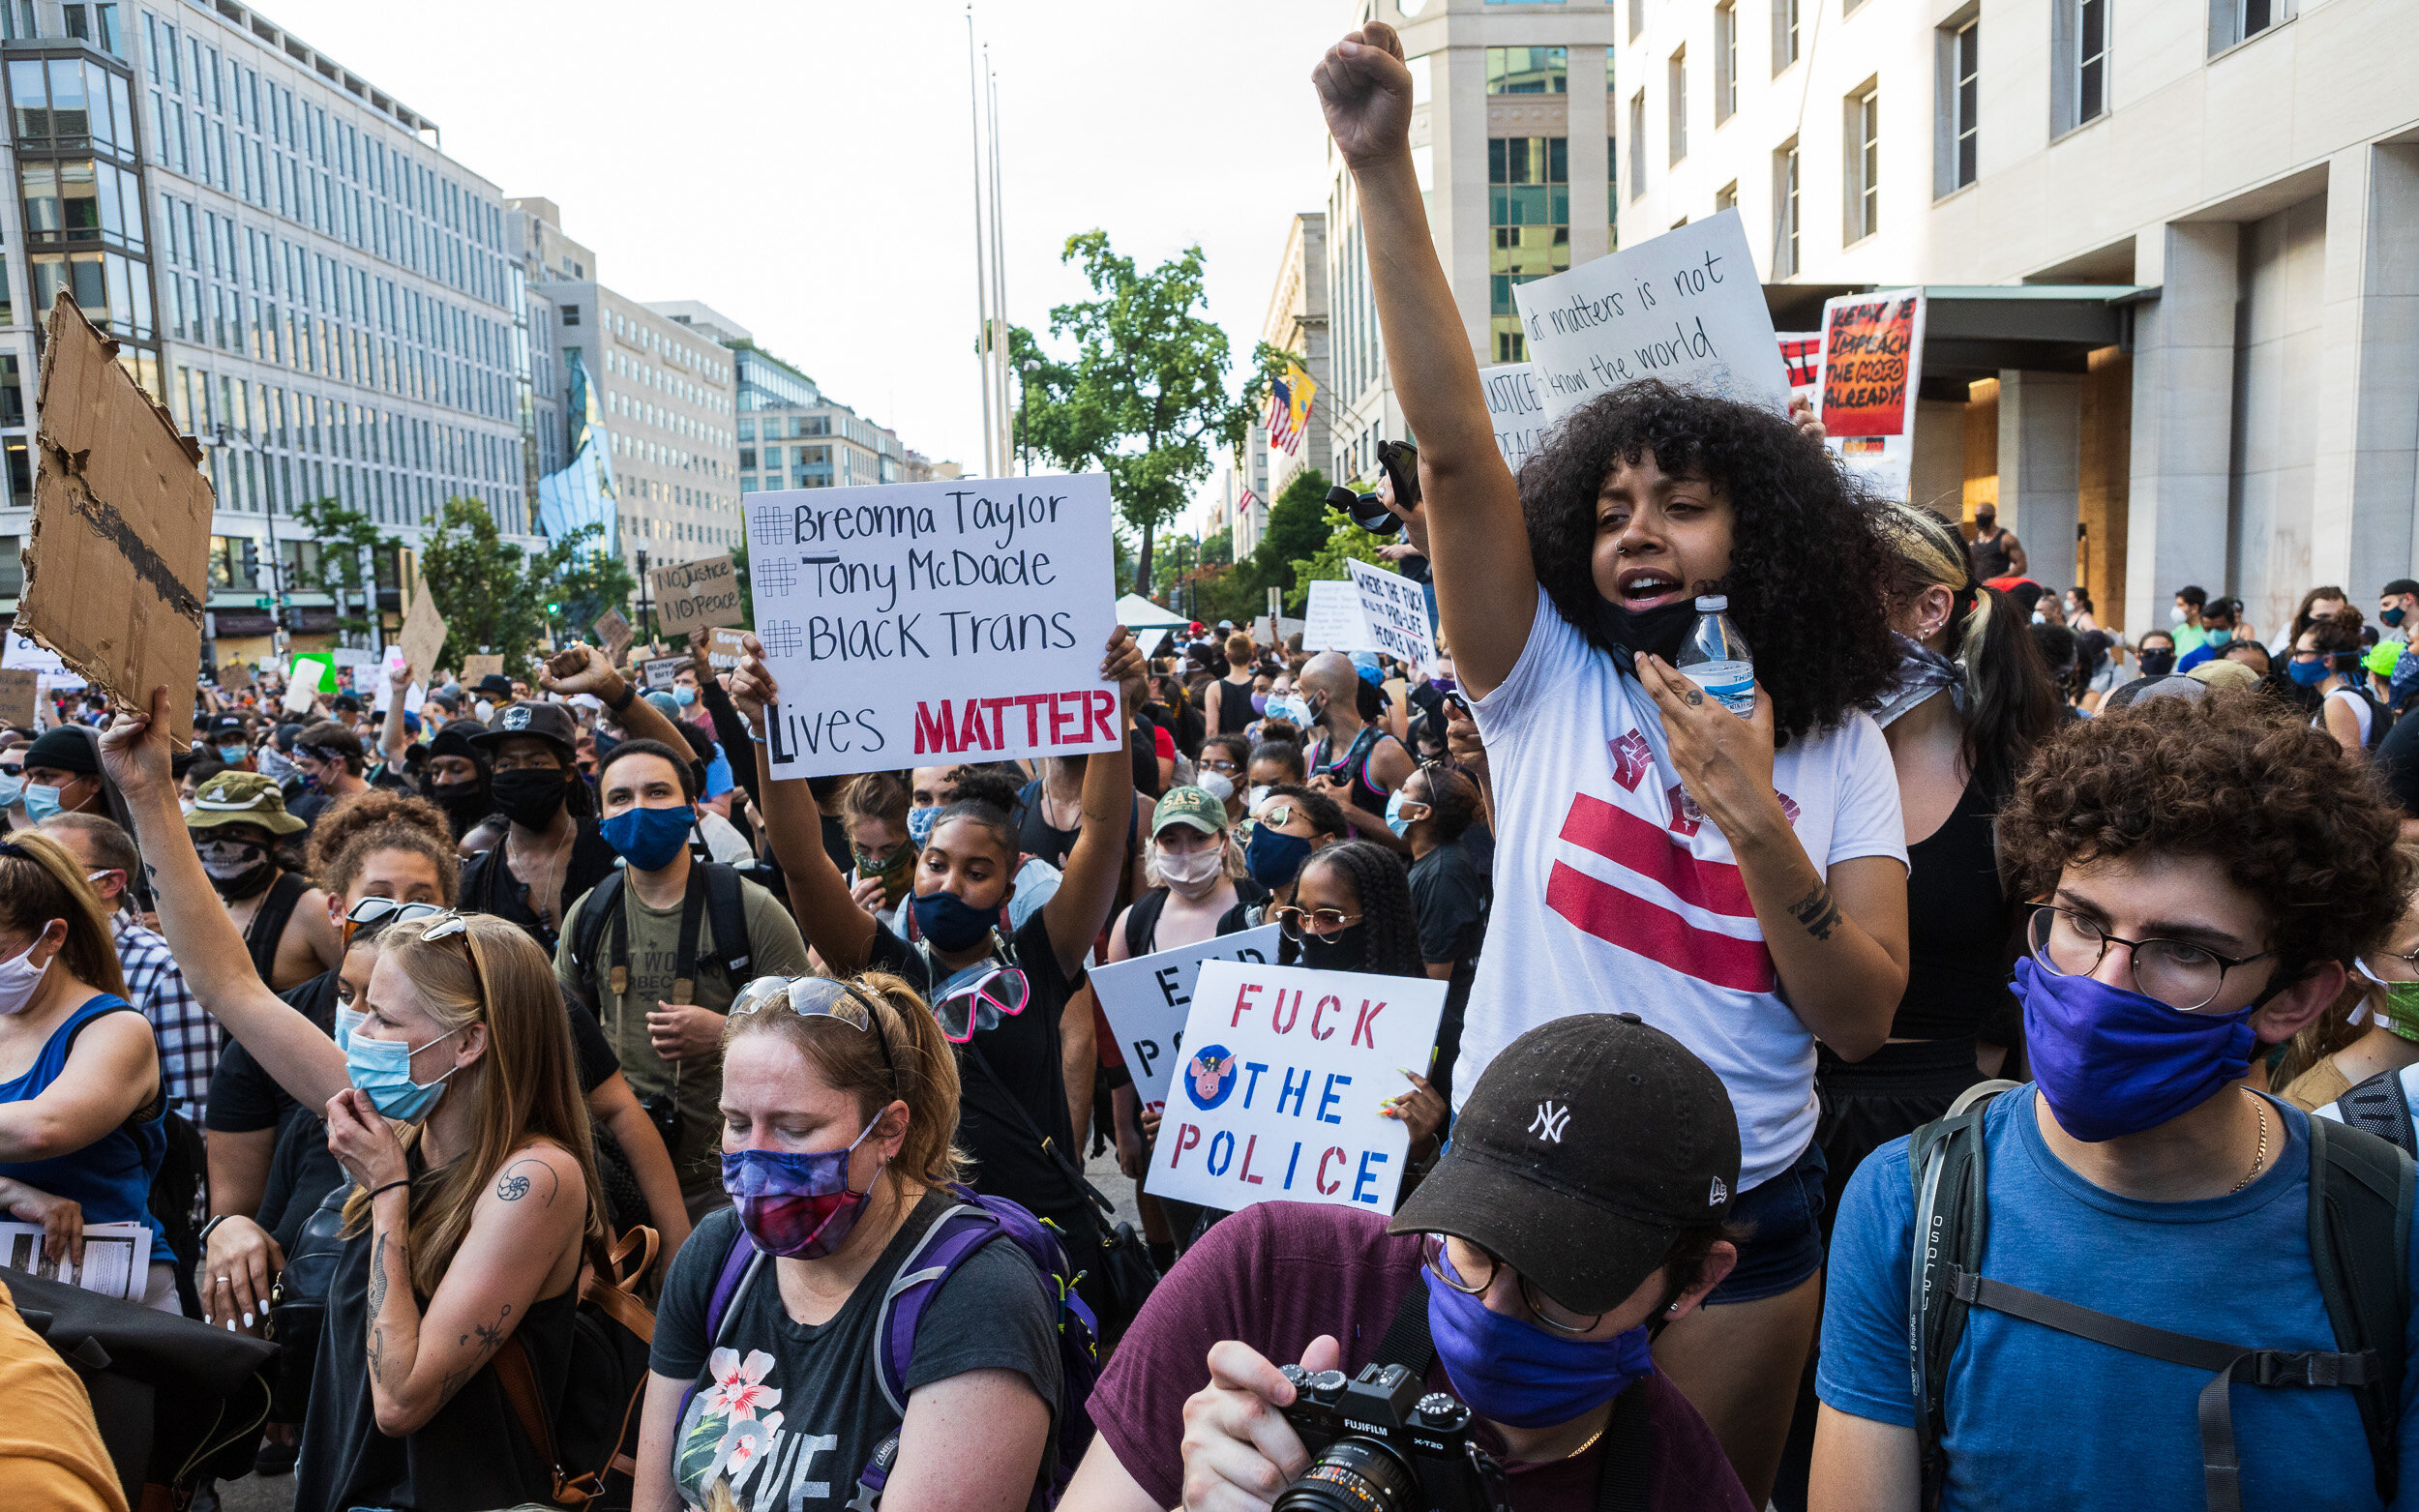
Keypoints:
(998, 278)
(982, 280)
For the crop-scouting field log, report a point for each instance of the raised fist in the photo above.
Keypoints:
(1365, 89)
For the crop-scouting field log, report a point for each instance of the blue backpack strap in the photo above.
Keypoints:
(953, 1237)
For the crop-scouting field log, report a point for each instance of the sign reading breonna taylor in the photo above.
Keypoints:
(1277, 1096)
(918, 622)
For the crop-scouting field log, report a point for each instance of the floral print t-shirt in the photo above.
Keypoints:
(785, 1414)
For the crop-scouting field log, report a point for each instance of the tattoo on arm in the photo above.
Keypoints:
(377, 1354)
(451, 1384)
(520, 1178)
(377, 1276)
(1818, 912)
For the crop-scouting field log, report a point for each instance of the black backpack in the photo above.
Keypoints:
(723, 904)
(2360, 1209)
(591, 1444)
(2378, 1107)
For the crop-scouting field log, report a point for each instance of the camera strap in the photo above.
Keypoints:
(1622, 1481)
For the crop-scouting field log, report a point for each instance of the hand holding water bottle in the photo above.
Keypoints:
(1724, 758)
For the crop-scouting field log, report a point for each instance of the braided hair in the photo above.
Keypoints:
(1391, 945)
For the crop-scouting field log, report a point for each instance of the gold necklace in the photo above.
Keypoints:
(2260, 1160)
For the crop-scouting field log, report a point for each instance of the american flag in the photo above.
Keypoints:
(1802, 353)
(1247, 503)
(1289, 408)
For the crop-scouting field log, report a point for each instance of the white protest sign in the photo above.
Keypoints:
(302, 684)
(21, 651)
(352, 656)
(1396, 611)
(1333, 621)
(964, 620)
(1146, 1000)
(1513, 403)
(1685, 308)
(1279, 1093)
(413, 697)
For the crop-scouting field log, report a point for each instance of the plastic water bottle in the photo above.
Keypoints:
(1715, 658)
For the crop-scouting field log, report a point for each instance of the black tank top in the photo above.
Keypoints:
(1142, 921)
(1958, 928)
(1235, 709)
(1354, 764)
(1990, 557)
(268, 923)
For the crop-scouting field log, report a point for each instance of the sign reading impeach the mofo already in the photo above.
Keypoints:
(913, 623)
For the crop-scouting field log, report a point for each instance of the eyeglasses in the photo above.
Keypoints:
(2410, 963)
(1454, 1262)
(1322, 922)
(977, 998)
(1218, 765)
(815, 997)
(2186, 977)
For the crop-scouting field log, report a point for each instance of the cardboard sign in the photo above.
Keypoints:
(614, 633)
(1685, 308)
(474, 668)
(961, 620)
(662, 672)
(1872, 364)
(235, 676)
(1146, 1001)
(1395, 610)
(1513, 403)
(424, 632)
(117, 559)
(695, 595)
(17, 696)
(724, 649)
(1277, 1096)
(1333, 620)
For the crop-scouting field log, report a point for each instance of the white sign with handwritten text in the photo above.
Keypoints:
(918, 622)
(1514, 405)
(1685, 308)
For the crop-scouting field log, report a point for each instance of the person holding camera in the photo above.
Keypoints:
(1577, 1211)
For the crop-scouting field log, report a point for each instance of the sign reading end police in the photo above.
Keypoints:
(909, 624)
(1277, 1096)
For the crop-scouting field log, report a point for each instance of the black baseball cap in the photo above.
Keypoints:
(2398, 587)
(550, 723)
(1589, 1144)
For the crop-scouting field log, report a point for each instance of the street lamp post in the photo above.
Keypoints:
(223, 441)
(645, 628)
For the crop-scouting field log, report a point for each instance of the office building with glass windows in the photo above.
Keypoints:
(792, 436)
(290, 262)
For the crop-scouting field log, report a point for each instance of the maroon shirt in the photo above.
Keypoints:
(1276, 1276)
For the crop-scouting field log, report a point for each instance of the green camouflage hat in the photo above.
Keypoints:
(242, 798)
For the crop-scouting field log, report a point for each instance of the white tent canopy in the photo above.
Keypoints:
(1138, 613)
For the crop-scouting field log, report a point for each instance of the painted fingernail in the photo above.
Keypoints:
(248, 1320)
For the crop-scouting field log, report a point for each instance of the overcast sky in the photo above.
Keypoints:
(804, 167)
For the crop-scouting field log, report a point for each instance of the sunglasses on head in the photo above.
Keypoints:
(387, 910)
(817, 997)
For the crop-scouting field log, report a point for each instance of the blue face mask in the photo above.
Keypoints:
(347, 1020)
(2113, 1062)
(920, 823)
(42, 804)
(233, 755)
(382, 1068)
(11, 788)
(684, 696)
(2393, 617)
(1394, 820)
(948, 920)
(1518, 1375)
(2310, 674)
(649, 839)
(1273, 858)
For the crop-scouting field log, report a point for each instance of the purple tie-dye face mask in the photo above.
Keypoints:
(793, 1204)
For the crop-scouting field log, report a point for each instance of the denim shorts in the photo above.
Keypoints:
(1784, 1242)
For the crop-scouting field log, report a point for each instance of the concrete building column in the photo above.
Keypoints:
(2040, 468)
(2183, 415)
(2366, 464)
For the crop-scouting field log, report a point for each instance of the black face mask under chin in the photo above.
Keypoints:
(531, 796)
(1659, 631)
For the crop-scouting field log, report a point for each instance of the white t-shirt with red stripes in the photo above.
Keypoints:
(1614, 894)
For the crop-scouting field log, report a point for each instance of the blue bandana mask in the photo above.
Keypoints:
(1518, 1375)
(649, 839)
(948, 921)
(382, 1068)
(920, 823)
(2113, 1062)
(1274, 858)
(2310, 674)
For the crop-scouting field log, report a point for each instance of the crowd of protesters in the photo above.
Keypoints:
(1974, 1076)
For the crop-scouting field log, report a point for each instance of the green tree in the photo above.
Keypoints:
(1219, 550)
(344, 539)
(496, 597)
(1144, 397)
(1296, 528)
(1345, 542)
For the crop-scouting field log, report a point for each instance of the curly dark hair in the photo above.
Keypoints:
(992, 799)
(1808, 575)
(1326, 815)
(1391, 945)
(355, 829)
(2306, 828)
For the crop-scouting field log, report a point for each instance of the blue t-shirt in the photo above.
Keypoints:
(2082, 1424)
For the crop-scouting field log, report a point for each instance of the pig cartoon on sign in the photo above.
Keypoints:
(1210, 1075)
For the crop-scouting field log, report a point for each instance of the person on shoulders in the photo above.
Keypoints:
(1542, 1267)
(454, 1107)
(1742, 881)
(236, 826)
(663, 1012)
(2202, 874)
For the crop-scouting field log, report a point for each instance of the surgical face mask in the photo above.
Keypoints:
(1217, 784)
(1193, 874)
(650, 839)
(920, 823)
(233, 755)
(1515, 1372)
(382, 1069)
(2113, 1062)
(1291, 707)
(2175, 615)
(1394, 818)
(20, 978)
(1256, 796)
(42, 803)
(795, 1204)
(1260, 703)
(347, 1020)
(684, 696)
(2398, 1010)
(11, 788)
(483, 711)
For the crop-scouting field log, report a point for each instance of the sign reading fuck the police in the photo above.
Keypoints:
(1278, 1096)
(918, 624)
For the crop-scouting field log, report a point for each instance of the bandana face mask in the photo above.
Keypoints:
(794, 1204)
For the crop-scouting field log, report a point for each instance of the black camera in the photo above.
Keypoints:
(1384, 1442)
(663, 1111)
(1365, 510)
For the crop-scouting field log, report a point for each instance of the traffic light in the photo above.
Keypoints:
(252, 562)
